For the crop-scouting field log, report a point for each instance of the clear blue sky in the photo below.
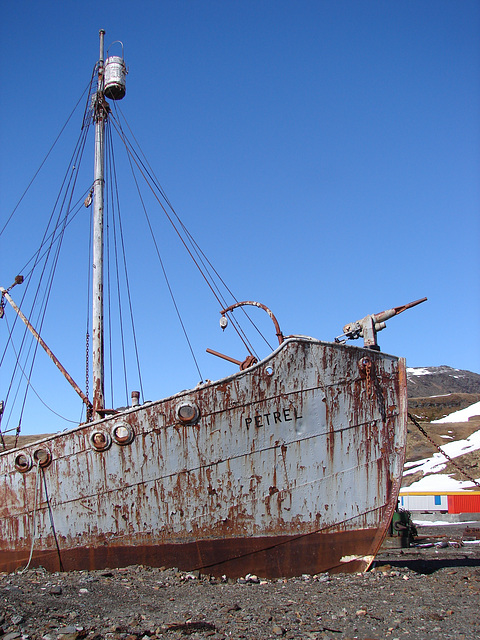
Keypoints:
(325, 155)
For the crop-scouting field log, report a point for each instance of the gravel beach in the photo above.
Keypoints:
(420, 592)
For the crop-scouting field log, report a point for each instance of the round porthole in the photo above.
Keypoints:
(100, 440)
(269, 371)
(188, 413)
(123, 434)
(42, 457)
(23, 463)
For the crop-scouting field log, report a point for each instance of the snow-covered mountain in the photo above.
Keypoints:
(423, 382)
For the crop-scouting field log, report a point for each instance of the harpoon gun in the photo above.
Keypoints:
(368, 327)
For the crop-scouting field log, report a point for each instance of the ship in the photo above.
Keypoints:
(290, 465)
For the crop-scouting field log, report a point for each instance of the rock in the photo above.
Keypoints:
(383, 568)
(189, 576)
(68, 633)
(442, 545)
(322, 577)
(56, 590)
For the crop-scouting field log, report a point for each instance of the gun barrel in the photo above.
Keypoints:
(408, 306)
(386, 315)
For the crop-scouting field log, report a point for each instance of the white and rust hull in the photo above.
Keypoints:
(291, 466)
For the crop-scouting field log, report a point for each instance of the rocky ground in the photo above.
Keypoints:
(422, 592)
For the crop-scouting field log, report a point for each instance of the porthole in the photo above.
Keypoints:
(123, 434)
(42, 457)
(188, 413)
(269, 371)
(100, 440)
(23, 462)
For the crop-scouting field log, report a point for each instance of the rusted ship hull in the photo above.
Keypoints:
(291, 466)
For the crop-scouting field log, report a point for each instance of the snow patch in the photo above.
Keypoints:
(439, 483)
(461, 416)
(419, 371)
(452, 449)
(432, 479)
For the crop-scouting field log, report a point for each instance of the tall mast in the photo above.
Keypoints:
(100, 116)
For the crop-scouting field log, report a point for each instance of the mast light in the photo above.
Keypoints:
(115, 73)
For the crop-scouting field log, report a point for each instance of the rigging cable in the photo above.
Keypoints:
(205, 273)
(50, 513)
(87, 334)
(54, 236)
(40, 257)
(73, 174)
(160, 258)
(111, 202)
(29, 382)
(10, 331)
(46, 157)
(196, 247)
(107, 291)
(33, 532)
(143, 170)
(129, 297)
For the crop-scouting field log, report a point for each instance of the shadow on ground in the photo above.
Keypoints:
(429, 565)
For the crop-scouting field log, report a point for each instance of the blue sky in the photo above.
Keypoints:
(325, 156)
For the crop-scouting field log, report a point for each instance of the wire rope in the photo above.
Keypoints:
(193, 242)
(112, 210)
(157, 250)
(67, 198)
(121, 245)
(47, 155)
(33, 388)
(54, 237)
(151, 183)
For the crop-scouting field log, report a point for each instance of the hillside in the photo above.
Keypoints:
(432, 381)
(436, 407)
(457, 433)
(438, 398)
